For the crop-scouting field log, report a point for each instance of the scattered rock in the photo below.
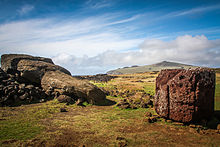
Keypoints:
(65, 99)
(169, 121)
(97, 78)
(178, 124)
(218, 127)
(122, 142)
(138, 100)
(192, 126)
(13, 92)
(185, 95)
(63, 110)
(26, 79)
(148, 114)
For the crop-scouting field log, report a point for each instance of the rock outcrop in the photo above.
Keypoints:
(185, 95)
(13, 91)
(42, 73)
(31, 68)
(60, 83)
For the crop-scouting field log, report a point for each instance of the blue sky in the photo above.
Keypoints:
(94, 36)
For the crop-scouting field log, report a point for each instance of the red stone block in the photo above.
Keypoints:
(185, 95)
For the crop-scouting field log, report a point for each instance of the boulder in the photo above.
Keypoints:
(31, 68)
(185, 95)
(26, 78)
(59, 82)
(3, 75)
(14, 93)
(64, 99)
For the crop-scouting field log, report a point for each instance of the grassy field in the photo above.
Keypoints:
(217, 92)
(44, 125)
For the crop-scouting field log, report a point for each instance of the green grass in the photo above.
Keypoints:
(22, 123)
(99, 84)
(217, 96)
(150, 88)
(217, 92)
(19, 130)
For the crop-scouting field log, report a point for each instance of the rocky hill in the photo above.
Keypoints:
(150, 68)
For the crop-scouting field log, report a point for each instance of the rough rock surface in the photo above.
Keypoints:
(31, 68)
(13, 91)
(97, 78)
(27, 79)
(185, 95)
(59, 83)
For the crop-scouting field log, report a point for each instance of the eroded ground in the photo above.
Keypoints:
(44, 125)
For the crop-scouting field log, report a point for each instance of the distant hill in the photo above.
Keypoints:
(150, 68)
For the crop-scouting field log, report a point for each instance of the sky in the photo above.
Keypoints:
(95, 36)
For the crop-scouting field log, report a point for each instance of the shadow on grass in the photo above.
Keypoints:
(12, 103)
(107, 102)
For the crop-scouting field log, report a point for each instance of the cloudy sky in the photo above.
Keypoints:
(94, 36)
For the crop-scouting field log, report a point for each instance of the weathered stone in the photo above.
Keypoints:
(30, 87)
(21, 73)
(218, 127)
(67, 85)
(148, 114)
(185, 95)
(31, 68)
(3, 75)
(10, 61)
(63, 110)
(24, 96)
(64, 99)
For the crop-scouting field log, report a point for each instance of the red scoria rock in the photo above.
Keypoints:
(185, 95)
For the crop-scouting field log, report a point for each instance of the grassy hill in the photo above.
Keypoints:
(150, 68)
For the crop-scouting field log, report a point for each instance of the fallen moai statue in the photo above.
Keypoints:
(38, 71)
(185, 95)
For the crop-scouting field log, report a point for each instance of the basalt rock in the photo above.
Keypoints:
(13, 92)
(63, 84)
(31, 68)
(185, 95)
(26, 78)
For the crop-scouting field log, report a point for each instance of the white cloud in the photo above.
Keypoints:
(189, 12)
(49, 37)
(96, 44)
(98, 4)
(198, 10)
(197, 50)
(25, 9)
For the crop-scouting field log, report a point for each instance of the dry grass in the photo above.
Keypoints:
(44, 125)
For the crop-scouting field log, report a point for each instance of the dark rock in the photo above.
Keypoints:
(22, 86)
(148, 114)
(3, 75)
(63, 110)
(32, 79)
(151, 119)
(64, 99)
(122, 142)
(97, 78)
(185, 95)
(24, 96)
